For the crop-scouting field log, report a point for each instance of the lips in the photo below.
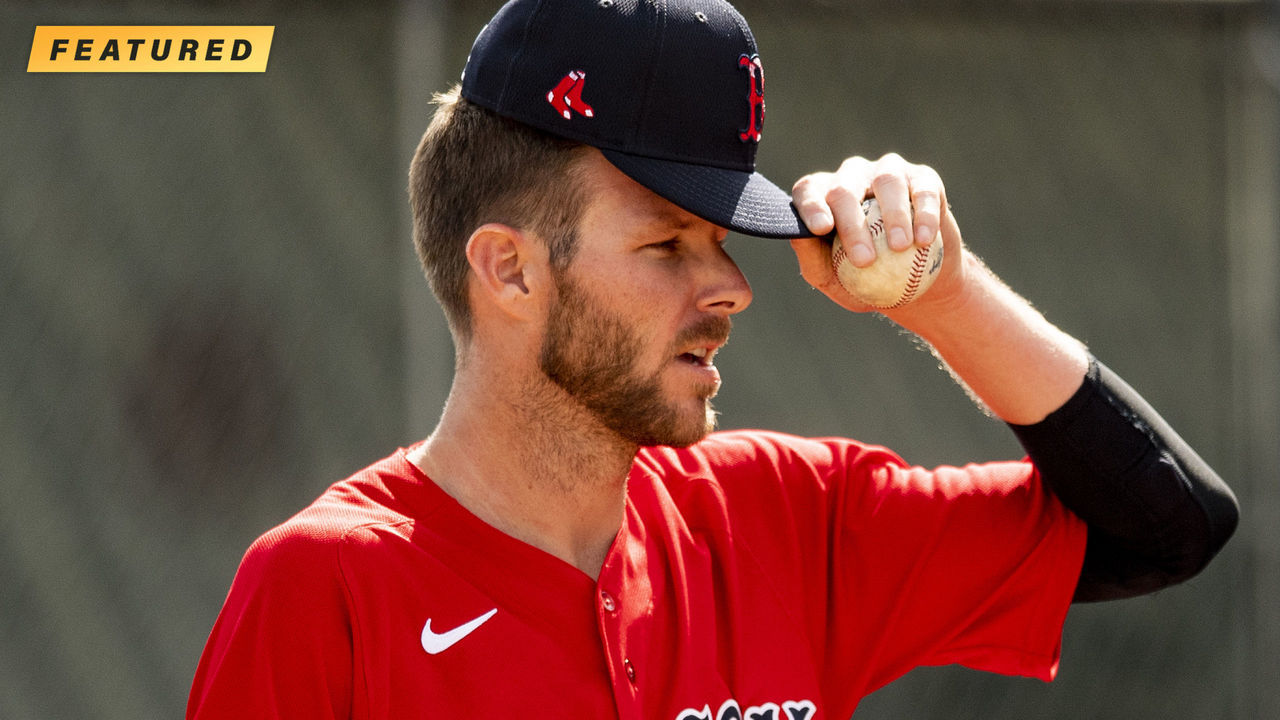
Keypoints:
(696, 346)
(704, 356)
(698, 364)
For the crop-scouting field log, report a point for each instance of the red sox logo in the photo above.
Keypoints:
(567, 95)
(755, 96)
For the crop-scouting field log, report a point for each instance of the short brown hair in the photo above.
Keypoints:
(474, 167)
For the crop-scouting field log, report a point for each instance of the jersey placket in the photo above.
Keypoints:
(624, 607)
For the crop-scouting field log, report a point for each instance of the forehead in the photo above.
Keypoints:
(622, 204)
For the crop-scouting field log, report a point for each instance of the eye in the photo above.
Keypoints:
(666, 246)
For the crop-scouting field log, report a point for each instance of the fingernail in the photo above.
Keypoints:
(861, 255)
(820, 221)
(898, 240)
(924, 234)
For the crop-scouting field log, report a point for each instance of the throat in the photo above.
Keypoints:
(546, 478)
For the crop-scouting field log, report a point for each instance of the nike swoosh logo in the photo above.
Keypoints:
(435, 643)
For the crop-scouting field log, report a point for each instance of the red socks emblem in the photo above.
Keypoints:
(567, 95)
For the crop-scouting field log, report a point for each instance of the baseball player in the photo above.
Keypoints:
(573, 540)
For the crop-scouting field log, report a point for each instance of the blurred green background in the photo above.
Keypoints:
(210, 308)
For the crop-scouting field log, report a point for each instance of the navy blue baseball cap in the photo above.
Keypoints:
(670, 91)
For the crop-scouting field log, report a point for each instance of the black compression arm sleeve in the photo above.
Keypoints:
(1157, 514)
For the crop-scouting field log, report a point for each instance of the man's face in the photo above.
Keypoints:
(595, 356)
(640, 313)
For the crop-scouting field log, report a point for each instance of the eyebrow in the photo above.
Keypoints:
(660, 214)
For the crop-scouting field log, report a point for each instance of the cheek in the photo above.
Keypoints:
(647, 298)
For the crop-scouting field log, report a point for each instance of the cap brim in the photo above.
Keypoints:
(743, 201)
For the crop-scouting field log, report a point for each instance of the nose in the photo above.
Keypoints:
(726, 290)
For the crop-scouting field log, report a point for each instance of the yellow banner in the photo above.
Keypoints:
(150, 48)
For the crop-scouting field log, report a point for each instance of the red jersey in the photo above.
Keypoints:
(756, 576)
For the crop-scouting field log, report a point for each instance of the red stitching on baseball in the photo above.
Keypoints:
(836, 258)
(914, 277)
(918, 264)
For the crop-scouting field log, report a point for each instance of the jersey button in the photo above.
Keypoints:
(631, 670)
(607, 601)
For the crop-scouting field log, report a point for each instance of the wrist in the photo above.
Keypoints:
(1004, 352)
(952, 298)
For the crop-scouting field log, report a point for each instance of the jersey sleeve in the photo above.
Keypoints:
(282, 644)
(973, 565)
(898, 566)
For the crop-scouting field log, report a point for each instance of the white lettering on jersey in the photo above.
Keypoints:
(731, 710)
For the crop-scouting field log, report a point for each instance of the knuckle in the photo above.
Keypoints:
(842, 193)
(892, 158)
(886, 179)
(927, 200)
(811, 182)
(854, 164)
(802, 185)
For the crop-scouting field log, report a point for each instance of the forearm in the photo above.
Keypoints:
(1157, 513)
(1014, 361)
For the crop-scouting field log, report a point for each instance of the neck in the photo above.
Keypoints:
(532, 464)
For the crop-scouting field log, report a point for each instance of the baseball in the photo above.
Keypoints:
(895, 278)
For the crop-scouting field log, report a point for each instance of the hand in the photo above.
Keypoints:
(833, 202)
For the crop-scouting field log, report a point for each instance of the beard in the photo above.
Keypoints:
(592, 355)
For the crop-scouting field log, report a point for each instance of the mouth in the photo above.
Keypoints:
(702, 356)
(697, 345)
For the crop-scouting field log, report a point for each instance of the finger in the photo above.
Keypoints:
(852, 232)
(857, 171)
(892, 187)
(809, 195)
(928, 200)
(845, 200)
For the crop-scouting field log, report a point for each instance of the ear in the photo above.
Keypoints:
(508, 265)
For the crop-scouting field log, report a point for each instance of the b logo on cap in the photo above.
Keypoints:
(755, 96)
(567, 95)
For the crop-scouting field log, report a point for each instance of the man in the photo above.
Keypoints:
(573, 541)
